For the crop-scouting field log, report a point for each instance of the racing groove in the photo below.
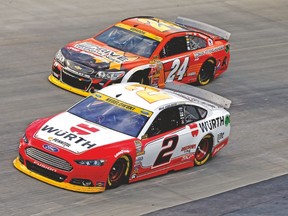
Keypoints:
(31, 33)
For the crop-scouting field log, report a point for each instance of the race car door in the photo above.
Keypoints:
(176, 57)
(169, 143)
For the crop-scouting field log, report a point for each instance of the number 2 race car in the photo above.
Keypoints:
(189, 52)
(125, 133)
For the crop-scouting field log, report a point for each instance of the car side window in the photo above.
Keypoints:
(175, 46)
(193, 113)
(196, 42)
(166, 120)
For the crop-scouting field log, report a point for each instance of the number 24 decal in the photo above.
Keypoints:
(166, 152)
(178, 68)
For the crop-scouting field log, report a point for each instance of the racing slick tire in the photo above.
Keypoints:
(206, 73)
(140, 77)
(203, 151)
(119, 173)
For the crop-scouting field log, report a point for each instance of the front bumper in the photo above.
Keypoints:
(68, 186)
(60, 84)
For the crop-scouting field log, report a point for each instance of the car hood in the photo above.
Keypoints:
(99, 56)
(76, 134)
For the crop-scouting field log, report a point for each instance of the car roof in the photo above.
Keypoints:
(156, 26)
(143, 96)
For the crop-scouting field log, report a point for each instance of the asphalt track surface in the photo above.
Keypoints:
(32, 31)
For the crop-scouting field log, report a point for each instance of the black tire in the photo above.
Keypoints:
(203, 151)
(119, 173)
(206, 74)
(140, 77)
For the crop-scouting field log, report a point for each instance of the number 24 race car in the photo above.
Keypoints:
(125, 133)
(189, 52)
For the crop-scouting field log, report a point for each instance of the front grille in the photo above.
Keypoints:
(75, 81)
(44, 172)
(78, 67)
(48, 159)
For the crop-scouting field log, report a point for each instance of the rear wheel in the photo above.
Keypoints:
(119, 172)
(206, 73)
(203, 150)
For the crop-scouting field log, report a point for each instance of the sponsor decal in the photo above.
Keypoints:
(138, 146)
(45, 166)
(194, 129)
(139, 31)
(121, 153)
(50, 148)
(227, 48)
(187, 157)
(192, 74)
(216, 49)
(55, 140)
(139, 159)
(220, 136)
(76, 72)
(77, 67)
(83, 129)
(123, 105)
(211, 124)
(187, 149)
(134, 175)
(120, 104)
(210, 42)
(103, 52)
(67, 136)
(219, 146)
(100, 184)
(227, 120)
(140, 153)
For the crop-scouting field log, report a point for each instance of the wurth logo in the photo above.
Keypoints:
(194, 129)
(63, 136)
(212, 124)
(83, 129)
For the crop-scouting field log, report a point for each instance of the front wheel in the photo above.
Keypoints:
(203, 150)
(119, 172)
(206, 73)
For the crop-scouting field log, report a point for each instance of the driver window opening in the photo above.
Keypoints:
(175, 46)
(166, 120)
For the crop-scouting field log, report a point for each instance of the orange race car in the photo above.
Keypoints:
(143, 49)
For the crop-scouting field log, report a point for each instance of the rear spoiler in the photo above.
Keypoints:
(199, 93)
(203, 26)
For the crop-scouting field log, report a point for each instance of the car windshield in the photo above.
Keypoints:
(110, 116)
(128, 41)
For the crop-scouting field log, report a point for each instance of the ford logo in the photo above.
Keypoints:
(50, 148)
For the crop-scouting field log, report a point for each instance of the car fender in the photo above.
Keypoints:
(156, 73)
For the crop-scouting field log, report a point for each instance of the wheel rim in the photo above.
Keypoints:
(205, 74)
(204, 77)
(117, 170)
(202, 150)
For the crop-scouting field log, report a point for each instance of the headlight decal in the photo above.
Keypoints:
(25, 139)
(108, 75)
(90, 162)
(60, 57)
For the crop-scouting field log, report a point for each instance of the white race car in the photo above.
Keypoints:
(125, 133)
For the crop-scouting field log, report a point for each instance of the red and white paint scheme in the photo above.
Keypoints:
(125, 133)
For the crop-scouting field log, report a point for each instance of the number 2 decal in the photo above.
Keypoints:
(148, 93)
(166, 152)
(179, 69)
